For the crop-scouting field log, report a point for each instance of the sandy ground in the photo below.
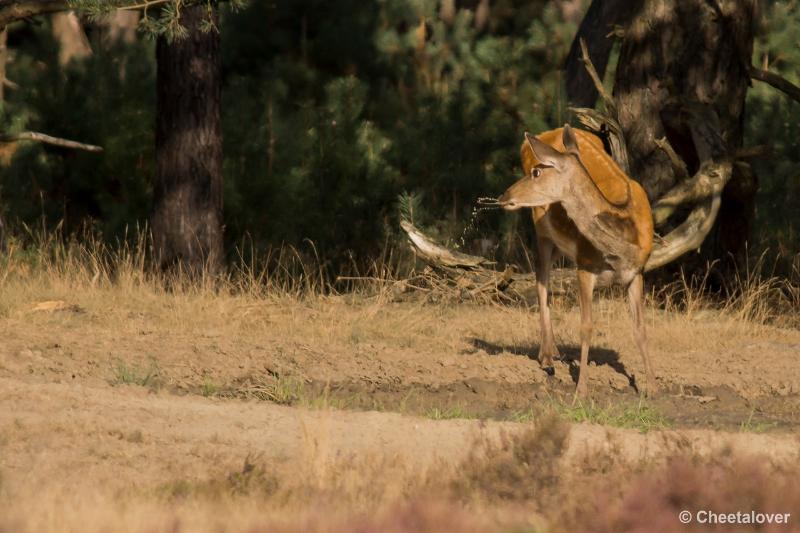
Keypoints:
(109, 400)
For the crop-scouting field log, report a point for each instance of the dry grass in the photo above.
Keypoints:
(516, 481)
(520, 467)
(282, 308)
(274, 329)
(651, 500)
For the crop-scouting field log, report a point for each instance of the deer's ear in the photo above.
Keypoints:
(569, 140)
(544, 152)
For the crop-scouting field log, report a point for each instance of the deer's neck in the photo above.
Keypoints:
(597, 220)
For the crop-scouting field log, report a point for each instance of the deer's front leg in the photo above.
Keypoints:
(586, 281)
(636, 301)
(547, 347)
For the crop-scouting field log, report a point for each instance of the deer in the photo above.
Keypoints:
(587, 209)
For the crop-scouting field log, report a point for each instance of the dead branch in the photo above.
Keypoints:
(440, 255)
(469, 276)
(603, 124)
(678, 166)
(716, 169)
(598, 82)
(752, 152)
(777, 81)
(49, 139)
(14, 10)
(600, 18)
(709, 180)
(143, 5)
(686, 237)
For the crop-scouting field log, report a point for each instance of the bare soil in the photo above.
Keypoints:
(112, 399)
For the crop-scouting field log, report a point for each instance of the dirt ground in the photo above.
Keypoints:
(113, 401)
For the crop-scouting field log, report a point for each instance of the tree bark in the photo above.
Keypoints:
(187, 215)
(600, 20)
(682, 61)
(72, 41)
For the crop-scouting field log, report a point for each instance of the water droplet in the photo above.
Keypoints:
(482, 205)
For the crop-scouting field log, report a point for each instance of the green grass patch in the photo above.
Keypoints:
(449, 412)
(208, 388)
(639, 415)
(755, 426)
(131, 374)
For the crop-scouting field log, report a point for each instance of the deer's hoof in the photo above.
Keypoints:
(549, 370)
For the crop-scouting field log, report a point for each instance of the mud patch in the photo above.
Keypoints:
(689, 407)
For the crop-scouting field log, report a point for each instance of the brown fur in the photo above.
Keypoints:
(612, 182)
(592, 212)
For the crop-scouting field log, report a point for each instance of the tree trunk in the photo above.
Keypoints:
(683, 61)
(72, 41)
(120, 26)
(600, 20)
(187, 216)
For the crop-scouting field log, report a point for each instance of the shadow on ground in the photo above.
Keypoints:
(570, 355)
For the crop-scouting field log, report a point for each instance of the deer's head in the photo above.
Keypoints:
(546, 181)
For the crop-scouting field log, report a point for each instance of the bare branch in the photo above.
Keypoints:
(752, 152)
(601, 124)
(439, 254)
(716, 169)
(143, 5)
(471, 272)
(49, 139)
(601, 17)
(686, 237)
(598, 82)
(678, 166)
(708, 181)
(12, 11)
(777, 81)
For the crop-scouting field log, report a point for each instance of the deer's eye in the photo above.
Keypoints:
(536, 172)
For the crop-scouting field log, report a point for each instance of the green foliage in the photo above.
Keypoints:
(341, 117)
(774, 120)
(410, 207)
(352, 105)
(159, 17)
(105, 99)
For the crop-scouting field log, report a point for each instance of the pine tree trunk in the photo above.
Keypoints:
(187, 215)
(600, 20)
(678, 57)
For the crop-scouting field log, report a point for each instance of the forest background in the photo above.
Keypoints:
(340, 117)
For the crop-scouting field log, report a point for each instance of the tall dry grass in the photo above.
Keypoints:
(751, 295)
(84, 261)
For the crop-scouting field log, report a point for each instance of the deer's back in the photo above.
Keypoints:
(629, 207)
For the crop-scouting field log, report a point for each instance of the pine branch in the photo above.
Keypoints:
(143, 5)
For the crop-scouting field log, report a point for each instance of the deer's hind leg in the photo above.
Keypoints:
(586, 283)
(636, 301)
(544, 262)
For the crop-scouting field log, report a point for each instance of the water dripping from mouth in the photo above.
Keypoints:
(481, 205)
